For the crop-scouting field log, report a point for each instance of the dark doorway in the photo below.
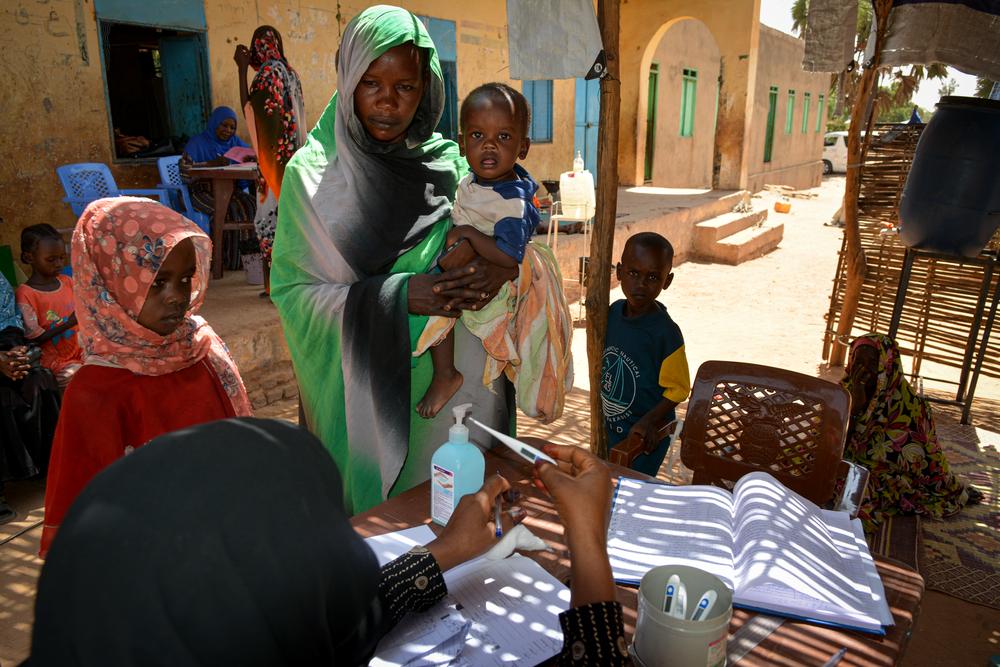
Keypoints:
(156, 85)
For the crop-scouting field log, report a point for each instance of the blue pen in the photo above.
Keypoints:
(836, 658)
(497, 511)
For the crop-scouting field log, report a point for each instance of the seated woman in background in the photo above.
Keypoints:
(892, 434)
(29, 402)
(169, 557)
(208, 149)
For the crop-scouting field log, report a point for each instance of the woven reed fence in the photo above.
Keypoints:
(942, 294)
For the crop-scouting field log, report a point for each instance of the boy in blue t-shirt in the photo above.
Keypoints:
(644, 370)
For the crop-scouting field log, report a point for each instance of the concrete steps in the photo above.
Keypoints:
(672, 213)
(709, 232)
(734, 238)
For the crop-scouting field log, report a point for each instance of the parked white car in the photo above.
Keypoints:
(834, 152)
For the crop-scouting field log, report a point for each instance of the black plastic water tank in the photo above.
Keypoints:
(951, 200)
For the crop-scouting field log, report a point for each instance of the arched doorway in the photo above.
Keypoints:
(678, 105)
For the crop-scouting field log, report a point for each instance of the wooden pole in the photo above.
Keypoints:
(602, 239)
(861, 116)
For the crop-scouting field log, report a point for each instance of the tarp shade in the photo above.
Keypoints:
(964, 34)
(552, 39)
(831, 27)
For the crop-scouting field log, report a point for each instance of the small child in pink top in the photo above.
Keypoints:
(46, 302)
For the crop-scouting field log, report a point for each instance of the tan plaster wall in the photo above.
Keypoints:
(734, 24)
(54, 110)
(795, 157)
(55, 98)
(685, 162)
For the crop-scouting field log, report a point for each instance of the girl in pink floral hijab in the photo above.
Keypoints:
(151, 366)
(118, 247)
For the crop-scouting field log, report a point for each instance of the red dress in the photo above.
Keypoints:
(108, 412)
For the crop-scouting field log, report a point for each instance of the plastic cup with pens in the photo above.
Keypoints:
(672, 631)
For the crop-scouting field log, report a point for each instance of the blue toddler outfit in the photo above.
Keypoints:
(506, 211)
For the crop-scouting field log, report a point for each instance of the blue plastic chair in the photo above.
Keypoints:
(85, 182)
(180, 196)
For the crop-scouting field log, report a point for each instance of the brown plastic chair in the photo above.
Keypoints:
(745, 417)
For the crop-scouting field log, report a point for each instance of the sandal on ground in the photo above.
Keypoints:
(975, 495)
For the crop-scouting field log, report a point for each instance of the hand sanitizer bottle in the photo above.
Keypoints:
(578, 162)
(457, 469)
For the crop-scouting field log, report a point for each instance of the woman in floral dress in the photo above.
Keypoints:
(892, 434)
(274, 110)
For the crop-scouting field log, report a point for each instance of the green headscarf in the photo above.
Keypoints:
(358, 217)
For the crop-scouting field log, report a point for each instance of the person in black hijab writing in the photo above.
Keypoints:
(178, 554)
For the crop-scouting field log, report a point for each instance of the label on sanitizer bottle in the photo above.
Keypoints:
(442, 494)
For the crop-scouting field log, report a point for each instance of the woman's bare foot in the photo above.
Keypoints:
(443, 387)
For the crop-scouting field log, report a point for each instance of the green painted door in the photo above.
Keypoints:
(772, 109)
(651, 104)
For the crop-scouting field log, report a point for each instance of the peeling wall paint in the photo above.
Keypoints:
(55, 110)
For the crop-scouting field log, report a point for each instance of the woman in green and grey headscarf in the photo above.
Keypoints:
(365, 206)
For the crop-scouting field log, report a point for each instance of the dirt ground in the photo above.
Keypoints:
(769, 311)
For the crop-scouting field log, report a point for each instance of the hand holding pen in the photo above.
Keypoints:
(498, 514)
(471, 529)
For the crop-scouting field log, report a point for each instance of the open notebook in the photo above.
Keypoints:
(778, 552)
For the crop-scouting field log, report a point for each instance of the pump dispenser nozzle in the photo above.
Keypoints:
(459, 432)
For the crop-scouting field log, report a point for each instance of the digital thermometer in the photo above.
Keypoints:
(704, 606)
(679, 608)
(522, 449)
(668, 596)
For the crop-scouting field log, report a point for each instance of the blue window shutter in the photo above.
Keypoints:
(539, 97)
(528, 90)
